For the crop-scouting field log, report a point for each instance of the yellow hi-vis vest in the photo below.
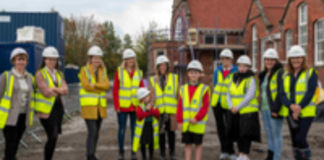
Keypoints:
(238, 93)
(220, 90)
(89, 98)
(191, 109)
(5, 101)
(273, 85)
(128, 87)
(44, 104)
(300, 91)
(139, 129)
(166, 101)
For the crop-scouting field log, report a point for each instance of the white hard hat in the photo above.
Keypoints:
(227, 53)
(244, 60)
(95, 51)
(16, 52)
(162, 59)
(271, 53)
(50, 52)
(194, 64)
(142, 93)
(128, 53)
(296, 51)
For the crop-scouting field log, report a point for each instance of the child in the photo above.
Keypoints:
(147, 129)
(243, 102)
(192, 110)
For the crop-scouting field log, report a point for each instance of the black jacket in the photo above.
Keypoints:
(275, 106)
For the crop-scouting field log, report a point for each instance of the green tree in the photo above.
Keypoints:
(127, 42)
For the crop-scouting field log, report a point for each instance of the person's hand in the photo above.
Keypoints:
(92, 85)
(274, 114)
(295, 108)
(180, 127)
(118, 110)
(53, 91)
(149, 107)
(295, 116)
(193, 121)
(234, 110)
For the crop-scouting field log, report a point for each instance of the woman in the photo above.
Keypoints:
(242, 100)
(16, 102)
(128, 78)
(49, 106)
(298, 94)
(95, 83)
(273, 112)
(165, 88)
(192, 110)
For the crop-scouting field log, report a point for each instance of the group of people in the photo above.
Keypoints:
(160, 107)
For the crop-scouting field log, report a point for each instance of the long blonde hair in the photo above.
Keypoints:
(291, 69)
(123, 65)
(102, 65)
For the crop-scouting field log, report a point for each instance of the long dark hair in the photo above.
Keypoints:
(57, 66)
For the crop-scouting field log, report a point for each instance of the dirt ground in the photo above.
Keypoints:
(71, 144)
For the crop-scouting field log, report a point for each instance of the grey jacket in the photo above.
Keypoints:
(15, 103)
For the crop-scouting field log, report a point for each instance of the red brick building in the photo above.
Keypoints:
(280, 24)
(200, 30)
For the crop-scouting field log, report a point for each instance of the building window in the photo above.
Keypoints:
(178, 30)
(288, 36)
(210, 39)
(254, 47)
(319, 42)
(160, 53)
(302, 26)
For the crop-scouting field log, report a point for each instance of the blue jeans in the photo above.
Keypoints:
(122, 123)
(273, 129)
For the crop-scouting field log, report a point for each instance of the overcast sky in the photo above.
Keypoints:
(128, 16)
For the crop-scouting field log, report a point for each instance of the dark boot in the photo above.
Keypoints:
(133, 156)
(91, 157)
(121, 155)
(173, 156)
(162, 157)
(270, 155)
(151, 158)
(95, 158)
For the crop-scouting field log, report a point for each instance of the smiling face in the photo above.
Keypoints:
(95, 61)
(50, 62)
(194, 75)
(20, 61)
(243, 68)
(297, 62)
(130, 62)
(270, 63)
(163, 68)
(226, 61)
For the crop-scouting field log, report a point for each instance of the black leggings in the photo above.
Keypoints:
(12, 135)
(143, 150)
(52, 127)
(171, 139)
(93, 127)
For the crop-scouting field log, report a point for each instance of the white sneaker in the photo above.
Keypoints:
(232, 157)
(245, 158)
(239, 158)
(223, 156)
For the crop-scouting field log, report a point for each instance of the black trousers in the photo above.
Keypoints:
(53, 127)
(299, 136)
(221, 124)
(93, 127)
(12, 135)
(171, 138)
(147, 139)
(244, 145)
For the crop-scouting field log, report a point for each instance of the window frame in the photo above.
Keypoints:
(303, 15)
(254, 47)
(316, 41)
(288, 39)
